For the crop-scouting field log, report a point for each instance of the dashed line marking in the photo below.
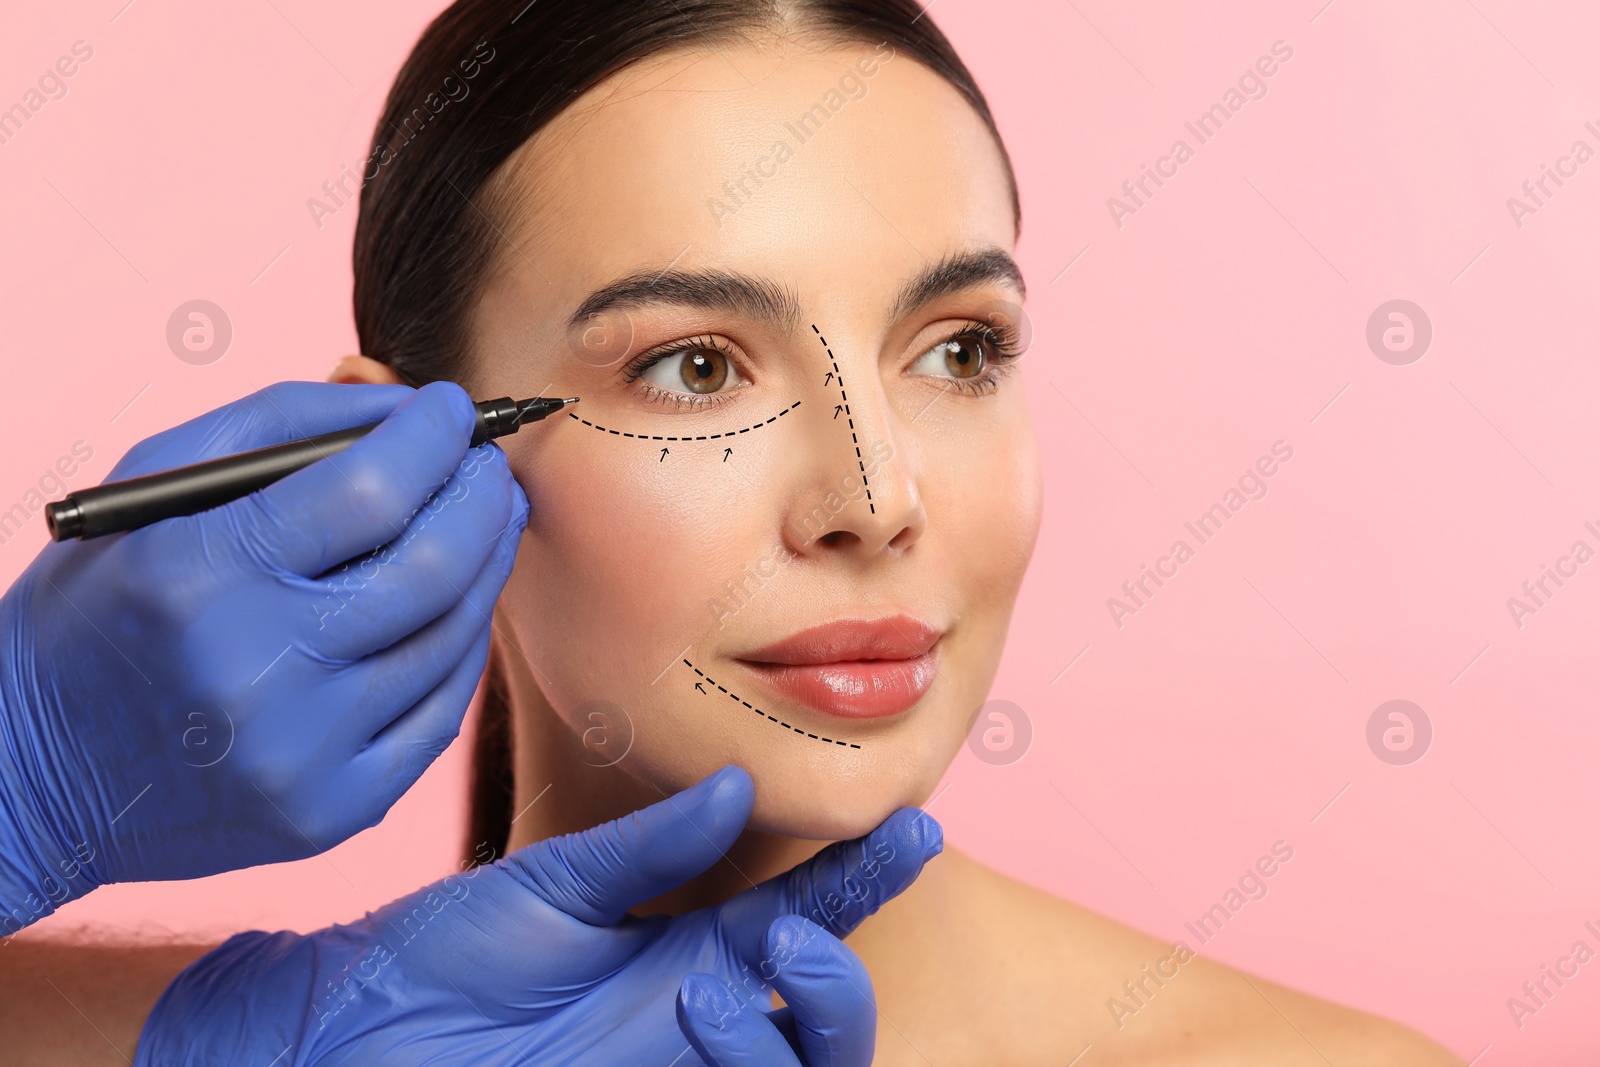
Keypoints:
(702, 437)
(856, 441)
(766, 715)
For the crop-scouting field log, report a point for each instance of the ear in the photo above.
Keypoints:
(363, 370)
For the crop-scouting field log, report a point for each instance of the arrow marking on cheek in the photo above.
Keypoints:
(702, 437)
(854, 440)
(758, 711)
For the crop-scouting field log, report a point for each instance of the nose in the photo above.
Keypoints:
(856, 494)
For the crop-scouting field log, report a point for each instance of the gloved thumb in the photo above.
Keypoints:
(595, 876)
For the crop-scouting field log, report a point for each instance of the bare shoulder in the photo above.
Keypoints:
(985, 969)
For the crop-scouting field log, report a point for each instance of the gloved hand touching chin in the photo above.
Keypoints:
(260, 681)
(533, 959)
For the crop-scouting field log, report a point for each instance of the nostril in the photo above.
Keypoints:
(835, 538)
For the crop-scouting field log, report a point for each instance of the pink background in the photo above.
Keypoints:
(1228, 313)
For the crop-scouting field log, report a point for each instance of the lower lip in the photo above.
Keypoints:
(862, 689)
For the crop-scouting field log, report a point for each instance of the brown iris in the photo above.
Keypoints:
(703, 370)
(963, 356)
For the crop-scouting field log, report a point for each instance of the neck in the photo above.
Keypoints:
(560, 789)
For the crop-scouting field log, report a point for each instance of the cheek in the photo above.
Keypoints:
(984, 501)
(623, 555)
(984, 512)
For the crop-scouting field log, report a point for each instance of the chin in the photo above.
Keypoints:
(810, 821)
(806, 789)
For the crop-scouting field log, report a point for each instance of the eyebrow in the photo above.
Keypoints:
(776, 305)
(953, 273)
(705, 290)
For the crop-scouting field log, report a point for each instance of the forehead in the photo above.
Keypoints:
(845, 167)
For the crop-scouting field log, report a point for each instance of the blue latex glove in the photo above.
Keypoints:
(831, 1017)
(225, 689)
(533, 959)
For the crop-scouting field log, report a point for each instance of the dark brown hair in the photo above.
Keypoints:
(484, 77)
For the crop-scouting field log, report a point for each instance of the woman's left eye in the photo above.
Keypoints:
(695, 371)
(965, 356)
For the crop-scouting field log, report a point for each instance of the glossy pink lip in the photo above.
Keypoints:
(855, 669)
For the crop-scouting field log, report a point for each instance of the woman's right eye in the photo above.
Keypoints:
(695, 370)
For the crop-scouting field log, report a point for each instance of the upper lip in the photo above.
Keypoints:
(894, 637)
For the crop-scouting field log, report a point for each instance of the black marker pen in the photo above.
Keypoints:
(128, 505)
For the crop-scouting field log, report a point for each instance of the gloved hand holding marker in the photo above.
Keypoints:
(117, 507)
(252, 683)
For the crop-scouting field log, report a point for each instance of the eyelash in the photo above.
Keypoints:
(1004, 349)
(1002, 352)
(679, 401)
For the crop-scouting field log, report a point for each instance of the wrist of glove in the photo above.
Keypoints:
(254, 992)
(41, 867)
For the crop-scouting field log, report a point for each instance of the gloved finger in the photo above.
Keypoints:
(371, 603)
(597, 875)
(394, 760)
(725, 1029)
(285, 411)
(832, 1014)
(839, 886)
(349, 503)
(393, 680)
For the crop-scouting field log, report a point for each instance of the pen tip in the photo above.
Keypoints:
(570, 400)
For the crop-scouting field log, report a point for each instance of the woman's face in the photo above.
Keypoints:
(786, 274)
